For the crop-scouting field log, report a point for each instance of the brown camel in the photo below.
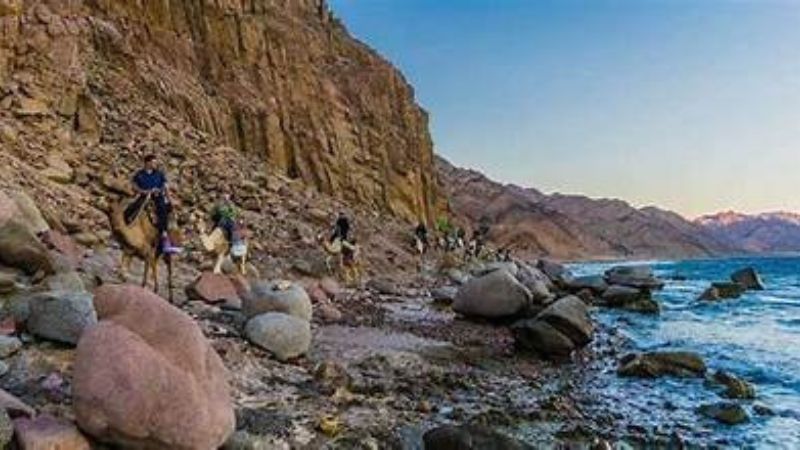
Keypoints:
(216, 244)
(139, 239)
(348, 263)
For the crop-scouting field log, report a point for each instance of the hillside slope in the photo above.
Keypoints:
(280, 81)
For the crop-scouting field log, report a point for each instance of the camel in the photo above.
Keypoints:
(216, 244)
(139, 239)
(346, 254)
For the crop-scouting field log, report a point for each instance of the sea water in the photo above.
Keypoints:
(756, 337)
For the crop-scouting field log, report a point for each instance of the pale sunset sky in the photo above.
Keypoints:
(689, 105)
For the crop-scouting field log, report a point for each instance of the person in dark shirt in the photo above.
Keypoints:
(151, 181)
(421, 232)
(341, 229)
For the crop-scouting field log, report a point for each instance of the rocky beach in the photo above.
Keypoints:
(276, 104)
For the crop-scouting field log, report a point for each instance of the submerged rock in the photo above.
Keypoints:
(725, 412)
(658, 364)
(631, 299)
(495, 295)
(722, 290)
(749, 278)
(735, 387)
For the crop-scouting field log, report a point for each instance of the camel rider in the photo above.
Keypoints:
(151, 182)
(421, 232)
(224, 216)
(341, 229)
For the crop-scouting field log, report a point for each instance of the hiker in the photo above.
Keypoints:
(151, 183)
(341, 229)
(225, 216)
(421, 233)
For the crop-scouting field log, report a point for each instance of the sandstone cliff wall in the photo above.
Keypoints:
(281, 81)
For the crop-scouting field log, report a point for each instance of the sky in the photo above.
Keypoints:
(689, 105)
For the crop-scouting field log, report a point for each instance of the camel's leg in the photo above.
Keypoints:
(243, 265)
(218, 265)
(168, 260)
(124, 266)
(155, 274)
(146, 272)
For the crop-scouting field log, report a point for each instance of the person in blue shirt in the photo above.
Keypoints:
(152, 181)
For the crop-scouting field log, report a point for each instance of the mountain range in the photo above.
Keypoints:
(575, 226)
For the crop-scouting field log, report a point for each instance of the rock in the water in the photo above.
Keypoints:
(735, 387)
(749, 278)
(469, 437)
(167, 387)
(725, 412)
(641, 277)
(48, 433)
(631, 299)
(557, 331)
(283, 335)
(657, 364)
(19, 248)
(723, 290)
(596, 283)
(213, 288)
(9, 345)
(495, 295)
(570, 316)
(61, 316)
(277, 296)
(542, 338)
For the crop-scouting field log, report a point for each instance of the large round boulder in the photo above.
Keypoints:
(495, 295)
(60, 315)
(283, 335)
(536, 281)
(277, 296)
(146, 377)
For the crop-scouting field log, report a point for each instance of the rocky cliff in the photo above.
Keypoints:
(279, 81)
(573, 226)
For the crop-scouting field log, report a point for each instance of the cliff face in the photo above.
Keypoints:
(572, 226)
(281, 81)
